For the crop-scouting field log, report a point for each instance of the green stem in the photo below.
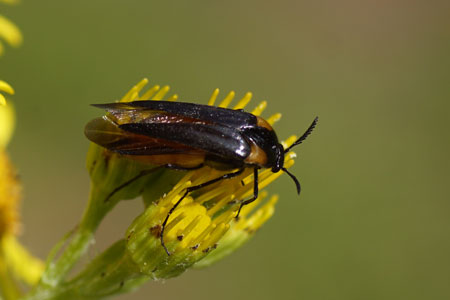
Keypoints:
(111, 273)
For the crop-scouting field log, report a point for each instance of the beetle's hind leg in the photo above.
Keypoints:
(191, 189)
(128, 182)
(255, 191)
(146, 172)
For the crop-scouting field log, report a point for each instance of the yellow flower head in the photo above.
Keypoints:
(204, 223)
(14, 258)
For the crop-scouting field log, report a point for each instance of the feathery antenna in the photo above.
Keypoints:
(304, 136)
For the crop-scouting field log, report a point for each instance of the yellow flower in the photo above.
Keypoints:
(15, 261)
(200, 231)
(205, 219)
(14, 258)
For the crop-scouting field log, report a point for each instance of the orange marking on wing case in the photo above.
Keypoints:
(257, 156)
(263, 123)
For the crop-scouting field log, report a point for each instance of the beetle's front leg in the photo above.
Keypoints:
(255, 191)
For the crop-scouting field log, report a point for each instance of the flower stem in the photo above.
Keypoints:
(111, 273)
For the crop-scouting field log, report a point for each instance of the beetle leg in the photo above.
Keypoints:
(146, 172)
(255, 191)
(175, 167)
(188, 190)
(126, 183)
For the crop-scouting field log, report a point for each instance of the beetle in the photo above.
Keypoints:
(188, 136)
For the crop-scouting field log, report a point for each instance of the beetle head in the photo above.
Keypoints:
(279, 158)
(279, 165)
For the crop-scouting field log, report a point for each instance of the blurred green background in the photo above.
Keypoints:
(373, 219)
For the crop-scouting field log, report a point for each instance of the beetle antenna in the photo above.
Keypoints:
(297, 183)
(304, 136)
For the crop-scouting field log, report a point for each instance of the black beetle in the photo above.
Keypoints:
(187, 136)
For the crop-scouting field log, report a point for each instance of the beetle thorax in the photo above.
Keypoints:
(264, 147)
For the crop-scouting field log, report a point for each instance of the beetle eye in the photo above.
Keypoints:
(279, 159)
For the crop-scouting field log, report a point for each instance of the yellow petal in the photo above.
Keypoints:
(227, 100)
(5, 87)
(9, 32)
(213, 98)
(244, 101)
(6, 124)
